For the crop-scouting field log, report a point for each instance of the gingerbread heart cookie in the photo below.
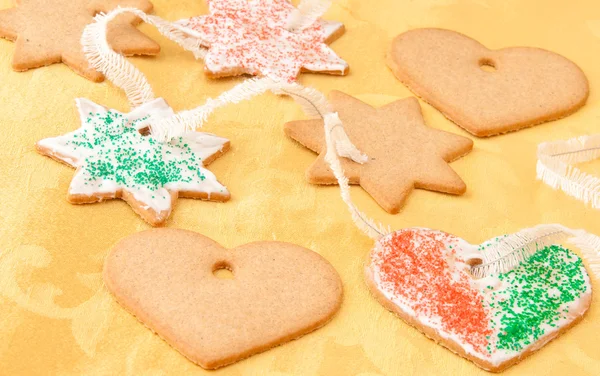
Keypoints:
(279, 292)
(487, 92)
(424, 277)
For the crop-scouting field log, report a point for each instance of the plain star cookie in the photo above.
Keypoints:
(424, 276)
(48, 32)
(487, 92)
(279, 292)
(114, 159)
(252, 37)
(403, 152)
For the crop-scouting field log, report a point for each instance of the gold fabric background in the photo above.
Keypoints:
(57, 318)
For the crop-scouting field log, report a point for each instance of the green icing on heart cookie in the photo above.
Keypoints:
(427, 275)
(536, 301)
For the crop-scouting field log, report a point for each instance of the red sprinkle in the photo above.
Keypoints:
(413, 266)
(252, 36)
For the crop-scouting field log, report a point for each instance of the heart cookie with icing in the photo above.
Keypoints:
(279, 292)
(424, 277)
(487, 92)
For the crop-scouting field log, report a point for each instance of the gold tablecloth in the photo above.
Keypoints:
(57, 318)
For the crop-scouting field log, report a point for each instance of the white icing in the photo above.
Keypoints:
(82, 184)
(466, 251)
(203, 145)
(329, 27)
(252, 36)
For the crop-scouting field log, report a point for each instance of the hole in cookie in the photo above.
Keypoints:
(223, 270)
(145, 131)
(474, 262)
(487, 65)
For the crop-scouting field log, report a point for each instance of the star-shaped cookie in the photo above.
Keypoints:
(403, 152)
(252, 37)
(48, 32)
(114, 159)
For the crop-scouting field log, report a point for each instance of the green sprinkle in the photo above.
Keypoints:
(552, 277)
(123, 155)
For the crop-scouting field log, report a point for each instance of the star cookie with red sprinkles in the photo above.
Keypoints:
(253, 37)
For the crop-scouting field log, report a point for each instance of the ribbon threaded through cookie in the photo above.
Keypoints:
(514, 249)
(424, 274)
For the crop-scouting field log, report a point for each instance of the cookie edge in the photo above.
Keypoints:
(451, 345)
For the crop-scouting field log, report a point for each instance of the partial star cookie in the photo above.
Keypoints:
(115, 160)
(403, 152)
(48, 32)
(251, 37)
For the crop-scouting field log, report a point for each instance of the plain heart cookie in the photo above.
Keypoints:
(423, 276)
(279, 292)
(487, 92)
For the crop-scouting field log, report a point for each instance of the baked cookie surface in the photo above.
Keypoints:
(278, 293)
(487, 92)
(49, 31)
(403, 152)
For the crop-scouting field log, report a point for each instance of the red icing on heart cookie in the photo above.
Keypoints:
(417, 264)
(424, 276)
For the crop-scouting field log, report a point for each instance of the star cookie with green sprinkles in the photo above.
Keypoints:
(424, 277)
(115, 159)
